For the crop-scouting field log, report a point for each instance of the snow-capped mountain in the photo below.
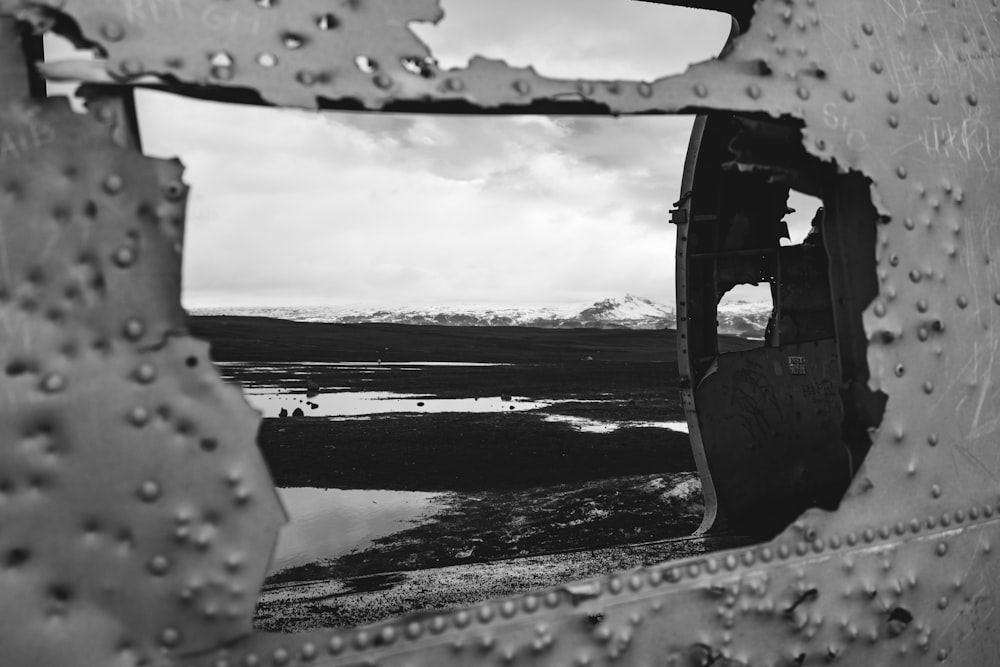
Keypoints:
(628, 312)
(743, 318)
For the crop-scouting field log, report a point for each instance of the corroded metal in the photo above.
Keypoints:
(902, 93)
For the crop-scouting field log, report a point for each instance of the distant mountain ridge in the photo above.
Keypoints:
(628, 312)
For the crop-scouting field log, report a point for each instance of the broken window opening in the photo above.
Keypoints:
(784, 426)
(588, 459)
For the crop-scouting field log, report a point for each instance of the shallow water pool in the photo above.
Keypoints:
(327, 523)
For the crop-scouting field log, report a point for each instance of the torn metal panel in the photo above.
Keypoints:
(895, 601)
(902, 93)
(136, 514)
(313, 54)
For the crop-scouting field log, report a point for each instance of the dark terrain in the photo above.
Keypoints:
(517, 486)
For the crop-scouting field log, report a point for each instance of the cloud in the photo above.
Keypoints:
(582, 39)
(290, 207)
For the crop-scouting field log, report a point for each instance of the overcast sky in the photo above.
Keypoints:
(293, 208)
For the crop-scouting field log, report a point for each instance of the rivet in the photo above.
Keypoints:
(849, 95)
(942, 549)
(700, 90)
(922, 305)
(914, 525)
(901, 171)
(113, 32)
(962, 302)
(383, 81)
(645, 89)
(132, 67)
(893, 97)
(877, 67)
(783, 551)
(694, 570)
(879, 309)
(361, 640)
(139, 416)
(987, 511)
(884, 531)
(974, 513)
(522, 87)
(159, 565)
(306, 78)
(868, 535)
(414, 629)
(552, 599)
(508, 608)
(972, 99)
(124, 257)
(145, 373)
(53, 383)
(387, 635)
(438, 624)
(959, 516)
(753, 91)
(134, 329)
(766, 554)
(530, 603)
(453, 85)
(936, 491)
(149, 491)
(893, 121)
(928, 387)
(170, 637)
(113, 184)
(335, 645)
(933, 98)
(802, 92)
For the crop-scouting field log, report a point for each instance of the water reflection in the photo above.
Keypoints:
(272, 401)
(326, 523)
(584, 425)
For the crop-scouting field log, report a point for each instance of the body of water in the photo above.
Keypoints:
(327, 523)
(271, 401)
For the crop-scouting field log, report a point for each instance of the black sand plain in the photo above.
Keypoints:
(517, 487)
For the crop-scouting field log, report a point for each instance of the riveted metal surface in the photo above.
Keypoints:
(790, 603)
(902, 92)
(136, 514)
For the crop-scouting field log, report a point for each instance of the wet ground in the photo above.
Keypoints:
(416, 486)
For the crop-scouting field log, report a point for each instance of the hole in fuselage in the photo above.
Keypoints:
(784, 421)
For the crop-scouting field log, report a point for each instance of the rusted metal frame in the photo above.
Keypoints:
(711, 517)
